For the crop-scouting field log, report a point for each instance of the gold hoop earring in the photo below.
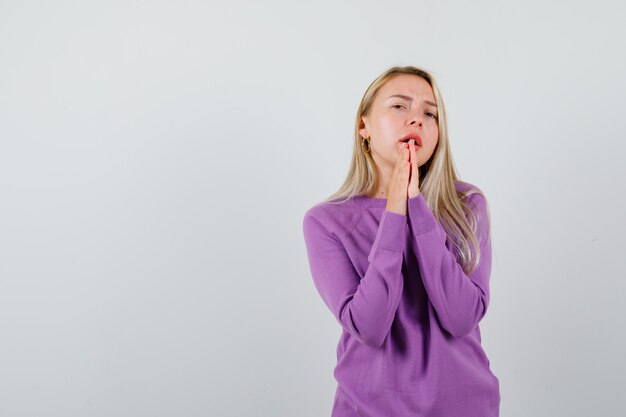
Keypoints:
(366, 146)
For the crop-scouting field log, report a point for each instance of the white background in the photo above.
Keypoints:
(157, 158)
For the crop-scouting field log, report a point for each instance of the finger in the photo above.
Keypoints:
(405, 156)
(399, 157)
(414, 165)
(406, 169)
(410, 164)
(406, 176)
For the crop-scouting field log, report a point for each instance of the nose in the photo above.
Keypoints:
(416, 120)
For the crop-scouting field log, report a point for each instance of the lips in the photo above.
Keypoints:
(418, 140)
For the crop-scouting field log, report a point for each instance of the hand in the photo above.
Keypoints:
(414, 189)
(398, 185)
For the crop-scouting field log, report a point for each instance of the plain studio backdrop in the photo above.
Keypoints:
(157, 158)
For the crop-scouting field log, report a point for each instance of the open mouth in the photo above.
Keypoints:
(409, 140)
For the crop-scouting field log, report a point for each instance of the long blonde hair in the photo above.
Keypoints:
(437, 176)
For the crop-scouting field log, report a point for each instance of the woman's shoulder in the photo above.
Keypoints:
(465, 187)
(476, 201)
(472, 194)
(468, 190)
(336, 217)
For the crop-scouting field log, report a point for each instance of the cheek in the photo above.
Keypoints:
(386, 125)
(433, 135)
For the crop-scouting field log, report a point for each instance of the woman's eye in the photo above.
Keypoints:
(434, 116)
(395, 106)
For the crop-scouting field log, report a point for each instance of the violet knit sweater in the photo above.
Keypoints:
(410, 343)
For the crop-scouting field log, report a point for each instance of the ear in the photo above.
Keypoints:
(363, 128)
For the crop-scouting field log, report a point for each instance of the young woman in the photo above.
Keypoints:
(401, 255)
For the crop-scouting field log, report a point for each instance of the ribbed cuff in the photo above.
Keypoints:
(391, 232)
(421, 218)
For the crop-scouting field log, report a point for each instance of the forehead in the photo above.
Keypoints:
(407, 84)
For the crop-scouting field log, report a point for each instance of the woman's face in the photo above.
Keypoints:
(404, 106)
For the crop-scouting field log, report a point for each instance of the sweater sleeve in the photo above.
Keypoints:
(364, 307)
(460, 300)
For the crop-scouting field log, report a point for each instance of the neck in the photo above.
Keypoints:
(378, 194)
(382, 183)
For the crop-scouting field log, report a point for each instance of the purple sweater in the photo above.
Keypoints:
(410, 343)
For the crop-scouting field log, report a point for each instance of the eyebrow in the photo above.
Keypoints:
(409, 99)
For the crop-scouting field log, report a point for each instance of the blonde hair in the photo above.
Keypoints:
(437, 176)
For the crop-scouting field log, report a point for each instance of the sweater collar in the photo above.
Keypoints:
(365, 201)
